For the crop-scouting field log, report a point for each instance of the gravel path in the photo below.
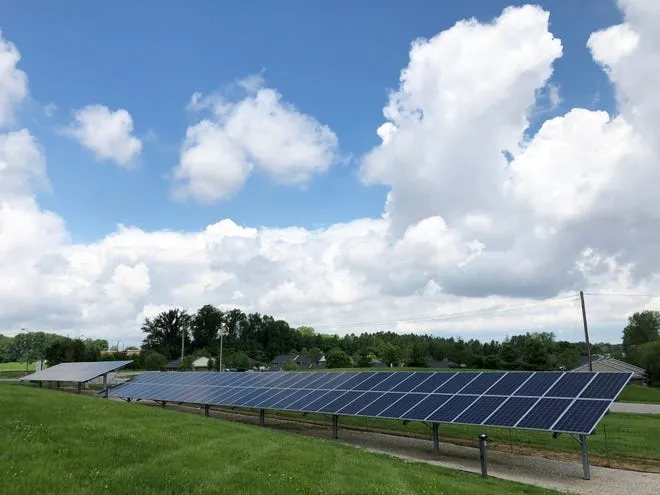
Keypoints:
(629, 407)
(558, 475)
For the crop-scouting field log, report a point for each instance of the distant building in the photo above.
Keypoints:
(445, 363)
(201, 364)
(304, 361)
(174, 365)
(376, 363)
(604, 363)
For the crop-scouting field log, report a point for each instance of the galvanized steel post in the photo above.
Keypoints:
(482, 455)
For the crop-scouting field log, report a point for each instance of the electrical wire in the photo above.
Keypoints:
(613, 294)
(451, 316)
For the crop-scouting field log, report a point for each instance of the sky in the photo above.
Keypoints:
(455, 168)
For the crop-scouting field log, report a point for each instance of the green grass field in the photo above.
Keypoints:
(56, 442)
(639, 394)
(16, 366)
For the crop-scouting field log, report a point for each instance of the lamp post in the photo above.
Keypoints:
(222, 334)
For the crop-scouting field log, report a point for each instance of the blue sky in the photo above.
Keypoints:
(334, 61)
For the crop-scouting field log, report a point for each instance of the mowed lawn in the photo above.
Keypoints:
(641, 395)
(58, 442)
(16, 366)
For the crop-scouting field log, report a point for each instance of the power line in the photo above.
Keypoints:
(451, 316)
(614, 294)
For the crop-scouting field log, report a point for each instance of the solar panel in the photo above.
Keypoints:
(75, 372)
(551, 401)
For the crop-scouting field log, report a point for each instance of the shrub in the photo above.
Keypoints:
(155, 361)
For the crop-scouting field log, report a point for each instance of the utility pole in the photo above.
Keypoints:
(222, 334)
(586, 330)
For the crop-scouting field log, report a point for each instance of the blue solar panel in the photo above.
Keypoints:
(582, 416)
(426, 406)
(412, 381)
(399, 408)
(541, 400)
(434, 381)
(342, 401)
(511, 411)
(605, 386)
(570, 385)
(480, 410)
(482, 383)
(509, 383)
(538, 384)
(323, 401)
(362, 401)
(544, 414)
(452, 408)
(381, 403)
(371, 382)
(459, 381)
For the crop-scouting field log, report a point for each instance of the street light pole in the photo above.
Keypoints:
(222, 334)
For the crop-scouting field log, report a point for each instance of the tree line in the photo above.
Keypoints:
(253, 338)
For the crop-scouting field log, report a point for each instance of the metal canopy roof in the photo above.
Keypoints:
(75, 372)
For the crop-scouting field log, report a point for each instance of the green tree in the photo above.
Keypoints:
(211, 365)
(337, 358)
(290, 365)
(155, 361)
(164, 332)
(390, 354)
(642, 328)
(647, 356)
(186, 364)
(240, 360)
(205, 325)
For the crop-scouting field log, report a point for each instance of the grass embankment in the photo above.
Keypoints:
(641, 395)
(55, 442)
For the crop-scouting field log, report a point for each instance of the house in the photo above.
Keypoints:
(174, 365)
(376, 363)
(304, 361)
(201, 364)
(445, 363)
(604, 363)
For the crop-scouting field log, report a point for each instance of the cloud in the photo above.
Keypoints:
(13, 82)
(108, 134)
(258, 132)
(480, 215)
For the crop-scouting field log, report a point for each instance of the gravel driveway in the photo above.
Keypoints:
(629, 407)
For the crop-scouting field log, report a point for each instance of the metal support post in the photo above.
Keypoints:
(335, 426)
(206, 410)
(482, 455)
(436, 440)
(105, 385)
(79, 387)
(584, 447)
(262, 417)
(162, 403)
(41, 384)
(58, 385)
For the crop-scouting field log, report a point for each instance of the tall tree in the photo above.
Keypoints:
(164, 332)
(642, 328)
(205, 325)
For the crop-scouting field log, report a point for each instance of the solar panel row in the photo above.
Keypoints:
(555, 401)
(75, 372)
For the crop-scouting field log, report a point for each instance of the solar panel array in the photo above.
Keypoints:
(554, 401)
(75, 372)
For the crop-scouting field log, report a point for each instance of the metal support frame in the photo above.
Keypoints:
(482, 455)
(584, 451)
(335, 426)
(105, 385)
(41, 384)
(436, 439)
(262, 417)
(79, 387)
(162, 403)
(206, 409)
(59, 385)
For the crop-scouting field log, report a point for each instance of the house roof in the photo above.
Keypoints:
(174, 364)
(201, 362)
(614, 364)
(283, 358)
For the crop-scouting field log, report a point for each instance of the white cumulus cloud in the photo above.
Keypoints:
(260, 131)
(108, 134)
